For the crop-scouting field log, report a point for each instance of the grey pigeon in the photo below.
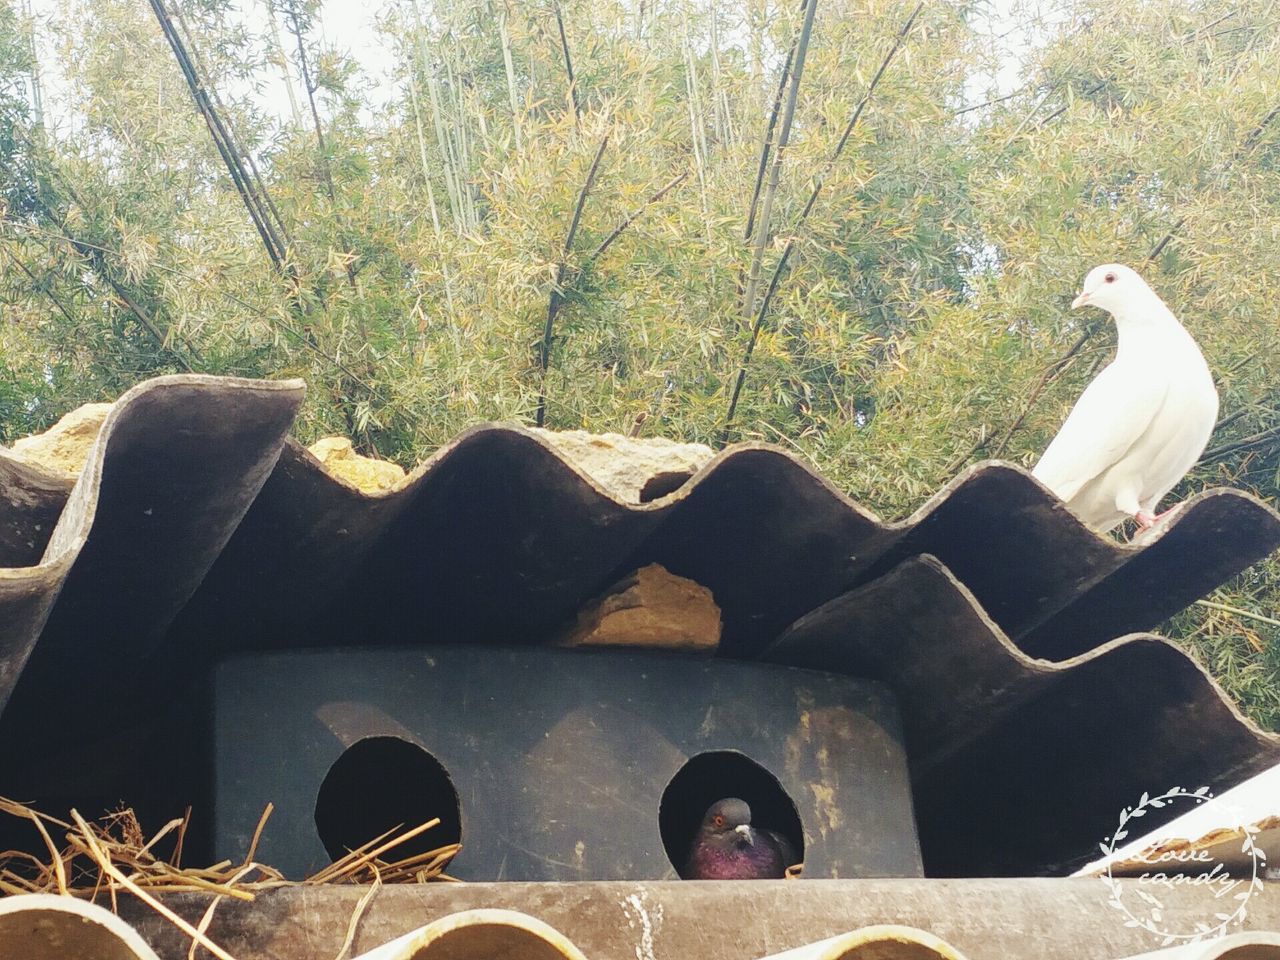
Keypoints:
(727, 847)
(1143, 421)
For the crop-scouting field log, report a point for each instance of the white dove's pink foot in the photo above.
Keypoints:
(1147, 520)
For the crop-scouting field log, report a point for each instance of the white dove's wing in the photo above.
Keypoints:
(1112, 414)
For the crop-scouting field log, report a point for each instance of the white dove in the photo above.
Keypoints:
(1143, 421)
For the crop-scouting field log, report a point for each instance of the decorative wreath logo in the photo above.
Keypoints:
(1172, 867)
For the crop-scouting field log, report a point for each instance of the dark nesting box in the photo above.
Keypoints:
(555, 764)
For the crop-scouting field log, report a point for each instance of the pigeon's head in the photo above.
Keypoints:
(730, 818)
(1111, 287)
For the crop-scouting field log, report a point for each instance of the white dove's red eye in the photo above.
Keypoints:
(1110, 278)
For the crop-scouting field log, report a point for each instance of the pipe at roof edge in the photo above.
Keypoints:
(45, 926)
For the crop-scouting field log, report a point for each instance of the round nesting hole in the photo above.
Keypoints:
(713, 776)
(381, 784)
(661, 484)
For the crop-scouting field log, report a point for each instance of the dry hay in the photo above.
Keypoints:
(99, 860)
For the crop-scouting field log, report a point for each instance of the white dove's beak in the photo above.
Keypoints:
(1080, 301)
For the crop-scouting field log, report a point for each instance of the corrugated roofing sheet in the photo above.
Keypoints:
(199, 528)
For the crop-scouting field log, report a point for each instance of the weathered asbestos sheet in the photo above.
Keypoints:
(1020, 764)
(1240, 946)
(612, 921)
(1010, 632)
(705, 920)
(172, 473)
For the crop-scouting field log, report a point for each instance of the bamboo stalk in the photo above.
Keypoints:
(693, 85)
(757, 16)
(33, 59)
(720, 120)
(775, 169)
(871, 89)
(751, 343)
(451, 181)
(422, 156)
(986, 103)
(1242, 58)
(1247, 614)
(1063, 109)
(140, 313)
(237, 148)
(697, 128)
(325, 166)
(222, 138)
(553, 308)
(249, 183)
(1051, 373)
(458, 126)
(783, 260)
(719, 99)
(37, 285)
(431, 206)
(555, 299)
(635, 214)
(310, 88)
(1248, 443)
(766, 143)
(455, 133)
(509, 66)
(95, 257)
(285, 74)
(568, 67)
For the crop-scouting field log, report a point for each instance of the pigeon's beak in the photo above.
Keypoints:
(743, 830)
(1080, 301)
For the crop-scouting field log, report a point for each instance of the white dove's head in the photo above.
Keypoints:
(1112, 287)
